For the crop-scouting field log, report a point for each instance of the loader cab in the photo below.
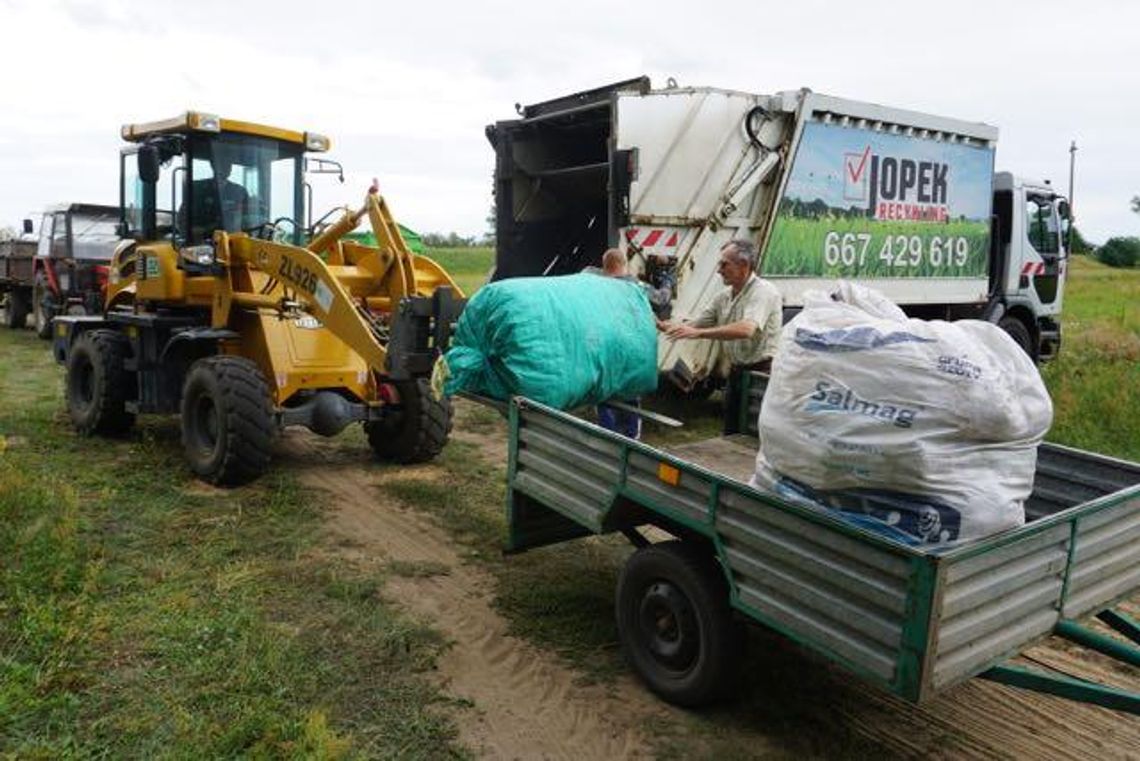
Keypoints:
(186, 178)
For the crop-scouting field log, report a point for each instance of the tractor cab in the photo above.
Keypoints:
(184, 179)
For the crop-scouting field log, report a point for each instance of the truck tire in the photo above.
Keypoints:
(675, 623)
(227, 420)
(16, 308)
(98, 384)
(41, 307)
(1019, 333)
(417, 431)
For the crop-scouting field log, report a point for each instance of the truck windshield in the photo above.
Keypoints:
(238, 182)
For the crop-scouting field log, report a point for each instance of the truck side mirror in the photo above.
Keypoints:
(27, 227)
(1064, 210)
(149, 163)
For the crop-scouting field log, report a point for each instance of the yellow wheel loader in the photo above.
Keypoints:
(224, 308)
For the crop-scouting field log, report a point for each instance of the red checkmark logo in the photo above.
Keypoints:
(857, 172)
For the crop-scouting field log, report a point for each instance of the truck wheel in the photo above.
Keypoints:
(675, 623)
(227, 420)
(1020, 334)
(417, 431)
(16, 308)
(98, 385)
(42, 310)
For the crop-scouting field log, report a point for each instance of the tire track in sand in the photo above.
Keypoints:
(525, 703)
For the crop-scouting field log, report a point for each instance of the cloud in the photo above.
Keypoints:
(405, 90)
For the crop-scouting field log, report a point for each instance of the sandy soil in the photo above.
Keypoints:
(526, 704)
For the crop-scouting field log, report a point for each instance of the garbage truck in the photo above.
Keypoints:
(828, 188)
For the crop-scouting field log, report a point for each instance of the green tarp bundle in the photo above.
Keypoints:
(563, 341)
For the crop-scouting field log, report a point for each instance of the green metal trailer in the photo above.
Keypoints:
(914, 622)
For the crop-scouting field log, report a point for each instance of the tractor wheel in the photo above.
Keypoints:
(42, 309)
(227, 420)
(16, 308)
(1020, 334)
(417, 431)
(675, 623)
(98, 385)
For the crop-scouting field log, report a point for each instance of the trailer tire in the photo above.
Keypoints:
(415, 433)
(16, 309)
(1019, 333)
(98, 384)
(228, 425)
(41, 318)
(675, 623)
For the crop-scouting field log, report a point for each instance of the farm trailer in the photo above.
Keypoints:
(17, 273)
(914, 622)
(827, 188)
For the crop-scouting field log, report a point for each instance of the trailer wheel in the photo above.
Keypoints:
(675, 623)
(227, 420)
(41, 309)
(98, 384)
(1019, 333)
(16, 309)
(417, 431)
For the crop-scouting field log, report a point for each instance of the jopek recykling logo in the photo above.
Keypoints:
(873, 204)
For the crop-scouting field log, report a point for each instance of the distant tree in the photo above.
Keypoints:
(489, 236)
(1078, 244)
(7, 233)
(1136, 204)
(1120, 252)
(451, 240)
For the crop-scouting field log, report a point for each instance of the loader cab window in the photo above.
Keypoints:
(132, 195)
(240, 183)
(1041, 224)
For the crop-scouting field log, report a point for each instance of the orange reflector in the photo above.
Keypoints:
(668, 474)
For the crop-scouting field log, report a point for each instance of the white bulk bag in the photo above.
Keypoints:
(926, 429)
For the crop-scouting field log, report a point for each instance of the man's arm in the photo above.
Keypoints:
(730, 332)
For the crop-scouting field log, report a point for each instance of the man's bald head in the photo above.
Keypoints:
(613, 262)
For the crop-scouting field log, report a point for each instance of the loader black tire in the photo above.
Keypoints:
(417, 431)
(675, 623)
(228, 425)
(16, 309)
(98, 384)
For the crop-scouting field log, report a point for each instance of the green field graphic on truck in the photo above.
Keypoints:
(860, 203)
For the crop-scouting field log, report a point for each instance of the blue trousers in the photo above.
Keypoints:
(620, 421)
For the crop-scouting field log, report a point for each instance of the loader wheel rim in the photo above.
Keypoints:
(667, 626)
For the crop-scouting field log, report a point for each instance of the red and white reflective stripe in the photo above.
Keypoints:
(652, 237)
(1032, 268)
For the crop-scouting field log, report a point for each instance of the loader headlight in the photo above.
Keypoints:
(315, 142)
(205, 122)
(197, 255)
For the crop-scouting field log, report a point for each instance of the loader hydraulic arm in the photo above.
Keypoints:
(366, 296)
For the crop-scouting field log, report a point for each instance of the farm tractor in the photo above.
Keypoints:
(223, 307)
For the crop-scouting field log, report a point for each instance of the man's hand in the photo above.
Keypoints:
(682, 330)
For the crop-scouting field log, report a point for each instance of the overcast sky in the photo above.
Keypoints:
(405, 89)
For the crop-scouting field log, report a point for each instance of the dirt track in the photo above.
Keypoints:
(526, 703)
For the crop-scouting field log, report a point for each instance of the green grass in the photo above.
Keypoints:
(1095, 381)
(797, 249)
(145, 615)
(468, 266)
